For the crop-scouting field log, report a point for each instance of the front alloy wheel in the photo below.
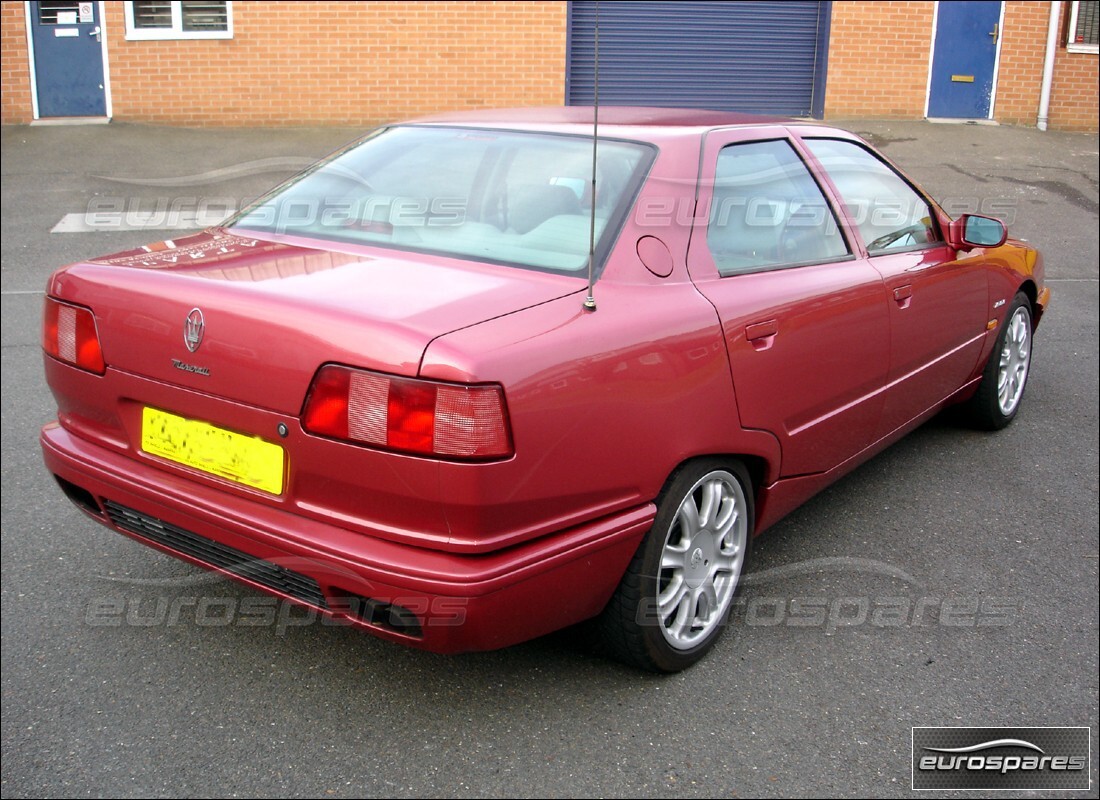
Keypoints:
(998, 398)
(1015, 360)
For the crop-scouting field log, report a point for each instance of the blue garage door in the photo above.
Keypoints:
(766, 57)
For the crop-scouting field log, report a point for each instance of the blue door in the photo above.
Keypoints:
(963, 59)
(68, 59)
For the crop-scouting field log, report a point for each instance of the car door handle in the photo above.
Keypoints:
(761, 335)
(903, 295)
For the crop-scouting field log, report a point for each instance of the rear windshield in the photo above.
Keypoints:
(515, 198)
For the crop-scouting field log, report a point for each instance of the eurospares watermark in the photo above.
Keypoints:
(1001, 758)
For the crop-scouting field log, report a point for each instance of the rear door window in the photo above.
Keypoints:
(767, 211)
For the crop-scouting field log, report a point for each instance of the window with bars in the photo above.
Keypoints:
(58, 12)
(179, 19)
(1082, 30)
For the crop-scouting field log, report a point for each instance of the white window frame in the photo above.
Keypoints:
(176, 31)
(1071, 29)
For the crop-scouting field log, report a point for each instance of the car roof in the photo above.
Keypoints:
(627, 120)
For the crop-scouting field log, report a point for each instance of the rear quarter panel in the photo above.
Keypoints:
(604, 405)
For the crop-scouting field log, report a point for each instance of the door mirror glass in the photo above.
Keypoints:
(983, 231)
(971, 230)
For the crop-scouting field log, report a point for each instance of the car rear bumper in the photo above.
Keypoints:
(439, 601)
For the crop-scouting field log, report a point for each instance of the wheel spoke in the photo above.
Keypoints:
(1023, 347)
(674, 557)
(712, 502)
(681, 625)
(728, 542)
(727, 519)
(689, 518)
(670, 599)
(1021, 332)
(709, 597)
(725, 562)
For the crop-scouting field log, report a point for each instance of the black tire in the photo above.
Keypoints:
(1004, 379)
(635, 627)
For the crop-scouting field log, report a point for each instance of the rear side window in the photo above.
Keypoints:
(888, 212)
(768, 212)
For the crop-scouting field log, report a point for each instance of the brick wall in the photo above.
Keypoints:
(363, 63)
(15, 78)
(326, 62)
(339, 62)
(1023, 49)
(1073, 100)
(879, 59)
(1074, 93)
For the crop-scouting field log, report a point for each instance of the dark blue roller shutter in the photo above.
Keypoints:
(761, 57)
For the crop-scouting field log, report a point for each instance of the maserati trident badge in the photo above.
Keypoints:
(193, 329)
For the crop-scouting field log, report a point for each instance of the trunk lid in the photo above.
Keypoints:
(272, 313)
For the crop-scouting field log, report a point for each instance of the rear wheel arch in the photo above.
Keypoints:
(761, 470)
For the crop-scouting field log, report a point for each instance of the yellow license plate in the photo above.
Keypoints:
(216, 451)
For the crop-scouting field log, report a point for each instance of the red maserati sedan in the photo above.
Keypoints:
(478, 377)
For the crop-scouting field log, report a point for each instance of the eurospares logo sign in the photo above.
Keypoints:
(1001, 758)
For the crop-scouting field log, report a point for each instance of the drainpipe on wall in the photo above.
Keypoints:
(1048, 63)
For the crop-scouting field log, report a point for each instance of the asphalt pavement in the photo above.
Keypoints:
(951, 581)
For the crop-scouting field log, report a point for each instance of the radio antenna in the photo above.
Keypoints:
(590, 300)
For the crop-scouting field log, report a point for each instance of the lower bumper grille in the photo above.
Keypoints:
(280, 579)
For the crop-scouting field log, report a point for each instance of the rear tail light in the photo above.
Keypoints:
(69, 334)
(408, 415)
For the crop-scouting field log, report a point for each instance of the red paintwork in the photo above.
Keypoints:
(801, 373)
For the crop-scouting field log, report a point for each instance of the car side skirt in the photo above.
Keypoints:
(782, 497)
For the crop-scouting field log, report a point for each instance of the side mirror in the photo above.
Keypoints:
(973, 230)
